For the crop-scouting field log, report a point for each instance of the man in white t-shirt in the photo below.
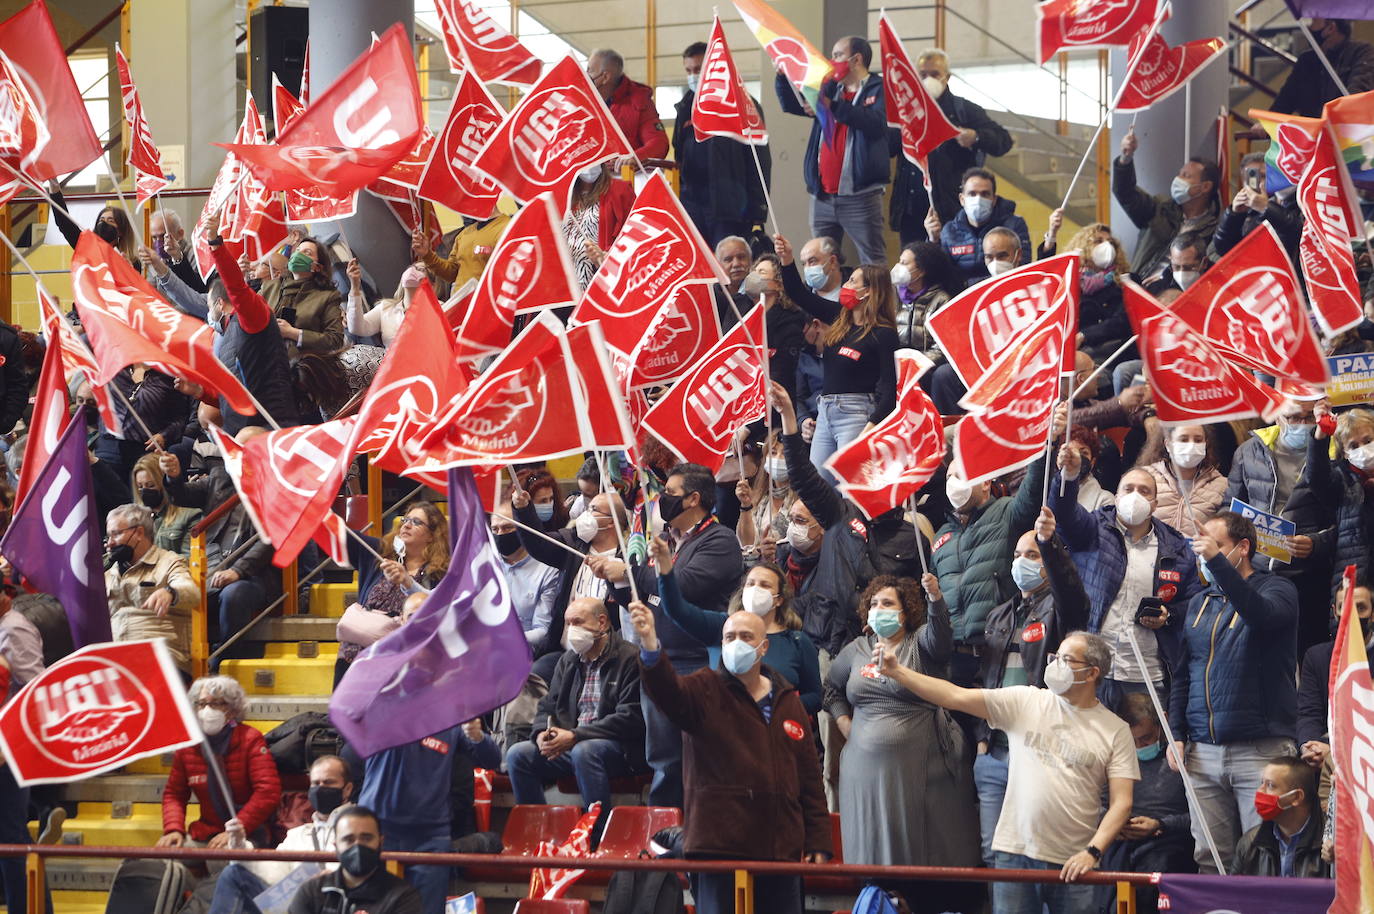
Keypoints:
(1064, 747)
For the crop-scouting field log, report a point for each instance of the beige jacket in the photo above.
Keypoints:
(1203, 500)
(130, 622)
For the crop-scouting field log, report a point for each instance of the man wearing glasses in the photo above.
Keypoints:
(1064, 747)
(150, 589)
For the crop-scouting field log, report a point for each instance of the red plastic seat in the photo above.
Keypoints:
(561, 906)
(833, 885)
(629, 828)
(529, 825)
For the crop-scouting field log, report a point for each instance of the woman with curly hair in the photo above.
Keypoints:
(1102, 321)
(906, 789)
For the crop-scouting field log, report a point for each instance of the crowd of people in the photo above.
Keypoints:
(985, 679)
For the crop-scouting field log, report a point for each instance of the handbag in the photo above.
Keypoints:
(359, 625)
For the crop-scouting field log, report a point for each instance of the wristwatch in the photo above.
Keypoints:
(1096, 854)
(170, 590)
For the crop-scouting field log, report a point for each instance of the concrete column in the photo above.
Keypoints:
(339, 32)
(1161, 128)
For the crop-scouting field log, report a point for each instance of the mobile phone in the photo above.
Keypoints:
(148, 584)
(1149, 608)
(288, 315)
(1254, 179)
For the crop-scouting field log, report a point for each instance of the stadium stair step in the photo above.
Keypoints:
(282, 671)
(139, 824)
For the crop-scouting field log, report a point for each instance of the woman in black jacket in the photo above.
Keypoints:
(860, 386)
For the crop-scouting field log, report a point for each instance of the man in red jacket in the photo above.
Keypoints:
(220, 705)
(631, 103)
(751, 778)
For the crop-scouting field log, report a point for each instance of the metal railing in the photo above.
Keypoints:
(744, 871)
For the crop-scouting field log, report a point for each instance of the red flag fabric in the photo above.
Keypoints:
(22, 132)
(223, 193)
(77, 358)
(127, 322)
(288, 479)
(306, 204)
(1249, 306)
(1326, 197)
(554, 883)
(559, 128)
(529, 270)
(285, 106)
(412, 214)
(96, 710)
(1010, 426)
(658, 251)
(418, 378)
(448, 178)
(475, 41)
(144, 157)
(721, 105)
(1073, 25)
(50, 418)
(1193, 384)
(247, 190)
(1292, 139)
(1162, 70)
(533, 403)
(977, 324)
(683, 332)
(909, 106)
(353, 133)
(882, 468)
(724, 390)
(1351, 723)
(35, 56)
(402, 179)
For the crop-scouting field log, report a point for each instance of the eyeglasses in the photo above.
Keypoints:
(111, 534)
(414, 522)
(1050, 658)
(218, 704)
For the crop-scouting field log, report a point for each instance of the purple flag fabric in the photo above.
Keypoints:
(462, 654)
(1335, 9)
(54, 538)
(1245, 895)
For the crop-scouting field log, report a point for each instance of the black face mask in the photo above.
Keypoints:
(360, 860)
(325, 800)
(508, 543)
(152, 498)
(669, 506)
(255, 283)
(106, 232)
(121, 555)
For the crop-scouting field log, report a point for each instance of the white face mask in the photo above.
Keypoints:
(1132, 508)
(1185, 278)
(758, 600)
(978, 209)
(958, 491)
(580, 504)
(398, 546)
(693, 80)
(589, 174)
(799, 535)
(1187, 454)
(901, 276)
(1059, 676)
(212, 720)
(998, 267)
(1103, 255)
(936, 87)
(587, 526)
(776, 468)
(576, 638)
(1361, 457)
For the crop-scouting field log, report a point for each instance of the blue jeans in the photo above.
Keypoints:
(861, 215)
(990, 780)
(1123, 373)
(1035, 897)
(430, 881)
(235, 890)
(593, 762)
(663, 745)
(1225, 778)
(839, 420)
(233, 607)
(714, 893)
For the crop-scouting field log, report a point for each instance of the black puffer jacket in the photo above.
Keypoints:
(911, 322)
(1253, 480)
(1349, 538)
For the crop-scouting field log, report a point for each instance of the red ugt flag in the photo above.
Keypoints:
(1161, 70)
(978, 324)
(559, 128)
(448, 178)
(1351, 726)
(658, 250)
(684, 330)
(49, 418)
(76, 357)
(1326, 197)
(97, 710)
(1077, 24)
(529, 270)
(726, 389)
(354, 132)
(475, 41)
(127, 322)
(1249, 306)
(144, 156)
(909, 106)
(721, 106)
(1193, 383)
(882, 469)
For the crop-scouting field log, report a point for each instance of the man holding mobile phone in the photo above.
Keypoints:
(1253, 205)
(150, 590)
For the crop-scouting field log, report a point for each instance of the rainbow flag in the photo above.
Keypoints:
(1292, 140)
(1352, 118)
(806, 68)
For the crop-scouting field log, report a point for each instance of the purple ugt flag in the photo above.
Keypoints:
(54, 538)
(1189, 894)
(1335, 9)
(462, 654)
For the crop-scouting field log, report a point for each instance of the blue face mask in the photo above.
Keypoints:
(884, 622)
(544, 510)
(1297, 436)
(1149, 753)
(1207, 572)
(815, 276)
(738, 657)
(1026, 573)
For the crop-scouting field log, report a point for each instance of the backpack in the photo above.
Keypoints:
(298, 742)
(149, 887)
(643, 892)
(873, 900)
